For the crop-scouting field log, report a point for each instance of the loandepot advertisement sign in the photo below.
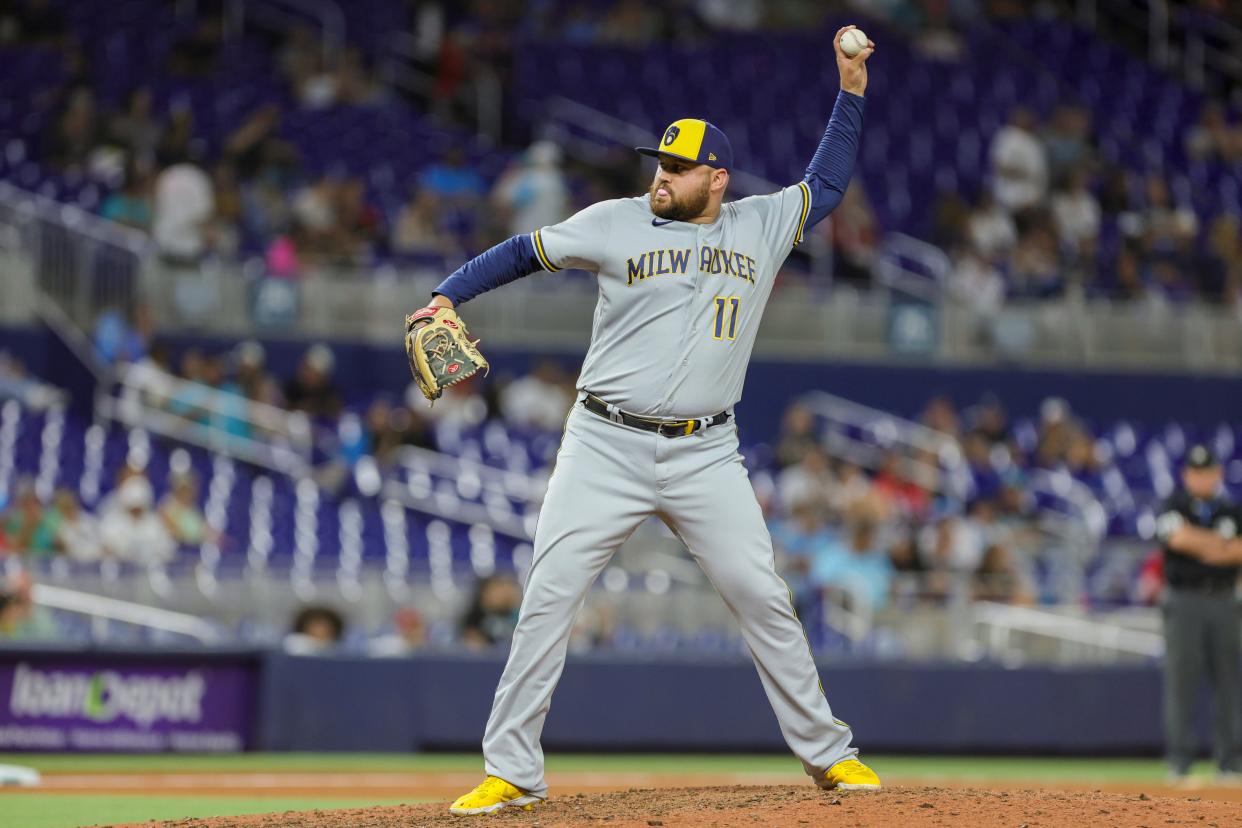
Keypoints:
(135, 708)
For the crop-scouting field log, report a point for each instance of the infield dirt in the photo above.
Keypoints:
(780, 805)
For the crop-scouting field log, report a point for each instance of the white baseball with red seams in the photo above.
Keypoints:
(853, 42)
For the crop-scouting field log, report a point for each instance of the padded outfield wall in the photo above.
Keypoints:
(255, 700)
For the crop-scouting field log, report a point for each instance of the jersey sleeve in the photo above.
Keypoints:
(782, 215)
(577, 242)
(1169, 520)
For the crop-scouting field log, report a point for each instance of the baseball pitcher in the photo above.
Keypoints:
(683, 280)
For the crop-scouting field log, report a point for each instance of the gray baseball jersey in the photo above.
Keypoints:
(679, 303)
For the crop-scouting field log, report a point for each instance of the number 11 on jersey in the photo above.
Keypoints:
(722, 328)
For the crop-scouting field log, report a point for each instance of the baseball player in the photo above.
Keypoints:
(683, 279)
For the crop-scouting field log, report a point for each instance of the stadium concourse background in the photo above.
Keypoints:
(228, 525)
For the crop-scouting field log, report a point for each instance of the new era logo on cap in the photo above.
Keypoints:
(693, 139)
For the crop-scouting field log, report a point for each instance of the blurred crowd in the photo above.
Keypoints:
(901, 531)
(1057, 221)
(127, 524)
(1053, 219)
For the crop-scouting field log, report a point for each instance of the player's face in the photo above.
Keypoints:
(680, 190)
(1202, 483)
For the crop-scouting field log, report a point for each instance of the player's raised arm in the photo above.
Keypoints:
(833, 164)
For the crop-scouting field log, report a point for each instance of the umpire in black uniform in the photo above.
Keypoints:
(1198, 525)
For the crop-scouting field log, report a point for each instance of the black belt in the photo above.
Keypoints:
(665, 428)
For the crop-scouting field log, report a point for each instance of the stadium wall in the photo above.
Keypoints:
(274, 701)
(903, 387)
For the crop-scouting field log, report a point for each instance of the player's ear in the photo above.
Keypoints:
(720, 180)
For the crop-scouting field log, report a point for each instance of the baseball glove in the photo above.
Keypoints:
(440, 351)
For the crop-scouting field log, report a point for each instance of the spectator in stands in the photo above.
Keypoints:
(1166, 229)
(533, 192)
(316, 630)
(182, 213)
(797, 435)
(454, 180)
(801, 539)
(855, 236)
(315, 213)
(135, 129)
(992, 230)
(853, 490)
(859, 569)
(1220, 272)
(409, 635)
(190, 399)
(978, 455)
(311, 389)
(893, 483)
(999, 579)
(1213, 138)
(941, 415)
(121, 335)
(976, 284)
(359, 223)
(16, 384)
(1035, 265)
(541, 399)
(250, 376)
(493, 612)
(989, 419)
(131, 530)
(809, 482)
(131, 205)
(1076, 213)
(21, 619)
(177, 143)
(22, 519)
(181, 515)
(632, 23)
(1019, 164)
(65, 529)
(952, 543)
(420, 228)
(1065, 139)
(76, 133)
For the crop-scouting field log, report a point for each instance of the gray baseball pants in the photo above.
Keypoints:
(608, 479)
(1202, 637)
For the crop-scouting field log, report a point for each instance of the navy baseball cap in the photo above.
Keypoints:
(1201, 457)
(695, 140)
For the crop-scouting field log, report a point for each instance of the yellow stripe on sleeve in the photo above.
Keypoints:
(543, 257)
(806, 209)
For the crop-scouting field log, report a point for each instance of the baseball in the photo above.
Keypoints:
(853, 42)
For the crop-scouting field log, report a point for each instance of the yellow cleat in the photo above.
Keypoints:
(850, 775)
(492, 794)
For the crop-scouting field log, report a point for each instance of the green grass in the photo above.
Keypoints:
(74, 810)
(959, 767)
(69, 810)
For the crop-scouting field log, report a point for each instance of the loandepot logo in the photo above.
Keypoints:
(106, 696)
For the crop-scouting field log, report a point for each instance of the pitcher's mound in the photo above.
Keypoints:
(750, 806)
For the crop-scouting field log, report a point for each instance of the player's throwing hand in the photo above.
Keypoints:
(853, 69)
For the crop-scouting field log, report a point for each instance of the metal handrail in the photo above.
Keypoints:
(1002, 620)
(290, 452)
(143, 615)
(892, 273)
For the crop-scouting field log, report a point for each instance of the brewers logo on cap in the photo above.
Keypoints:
(696, 140)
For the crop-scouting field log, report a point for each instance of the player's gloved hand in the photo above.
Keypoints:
(440, 351)
(853, 70)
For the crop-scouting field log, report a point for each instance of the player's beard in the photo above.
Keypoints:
(683, 208)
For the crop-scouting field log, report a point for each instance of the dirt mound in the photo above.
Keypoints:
(730, 807)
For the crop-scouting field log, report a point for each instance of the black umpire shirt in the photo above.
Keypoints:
(1184, 571)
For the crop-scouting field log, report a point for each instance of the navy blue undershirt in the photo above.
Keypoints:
(827, 177)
